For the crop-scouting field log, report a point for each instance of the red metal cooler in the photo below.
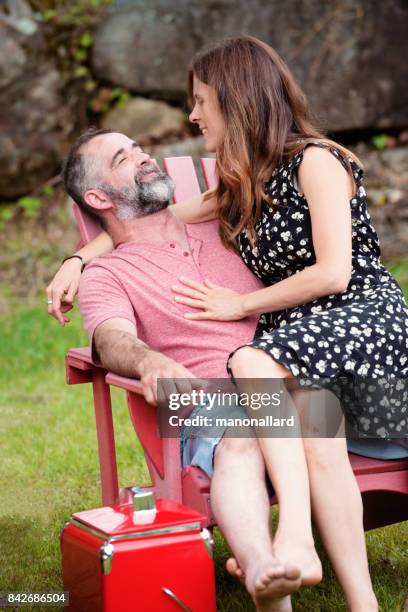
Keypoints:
(152, 559)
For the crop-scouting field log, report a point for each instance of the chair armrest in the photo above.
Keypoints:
(129, 384)
(79, 367)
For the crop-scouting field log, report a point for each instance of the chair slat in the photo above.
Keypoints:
(208, 164)
(88, 227)
(182, 171)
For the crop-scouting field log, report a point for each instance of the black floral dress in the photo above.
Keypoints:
(354, 342)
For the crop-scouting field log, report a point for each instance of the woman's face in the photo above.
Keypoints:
(207, 115)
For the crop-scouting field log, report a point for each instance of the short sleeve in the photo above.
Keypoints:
(102, 297)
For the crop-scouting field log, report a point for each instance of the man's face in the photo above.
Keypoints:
(128, 176)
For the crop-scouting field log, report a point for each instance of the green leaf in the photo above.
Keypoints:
(379, 141)
(30, 205)
(80, 55)
(90, 85)
(80, 72)
(48, 191)
(86, 40)
(123, 100)
(121, 96)
(49, 14)
(6, 212)
(116, 93)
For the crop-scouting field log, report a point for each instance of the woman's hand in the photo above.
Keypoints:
(217, 303)
(63, 288)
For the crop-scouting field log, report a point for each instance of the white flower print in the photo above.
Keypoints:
(309, 339)
(293, 344)
(316, 309)
(363, 369)
(295, 369)
(276, 353)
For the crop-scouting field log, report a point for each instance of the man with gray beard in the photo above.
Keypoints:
(138, 330)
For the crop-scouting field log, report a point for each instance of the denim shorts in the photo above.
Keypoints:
(198, 446)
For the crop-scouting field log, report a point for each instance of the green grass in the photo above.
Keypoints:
(49, 469)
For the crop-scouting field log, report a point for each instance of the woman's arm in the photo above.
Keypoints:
(328, 189)
(64, 286)
(196, 210)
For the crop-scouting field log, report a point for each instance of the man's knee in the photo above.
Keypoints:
(237, 448)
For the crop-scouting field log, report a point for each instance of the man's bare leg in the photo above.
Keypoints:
(286, 465)
(240, 503)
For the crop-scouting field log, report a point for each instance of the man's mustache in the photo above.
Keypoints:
(147, 169)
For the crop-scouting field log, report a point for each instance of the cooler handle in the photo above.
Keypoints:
(176, 599)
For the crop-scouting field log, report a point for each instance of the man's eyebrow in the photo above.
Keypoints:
(120, 151)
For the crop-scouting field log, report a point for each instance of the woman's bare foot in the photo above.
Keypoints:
(268, 582)
(305, 557)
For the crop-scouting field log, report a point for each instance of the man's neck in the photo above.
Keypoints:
(158, 227)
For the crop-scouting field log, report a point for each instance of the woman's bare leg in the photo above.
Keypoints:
(337, 504)
(287, 468)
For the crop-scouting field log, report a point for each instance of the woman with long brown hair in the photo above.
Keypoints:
(293, 204)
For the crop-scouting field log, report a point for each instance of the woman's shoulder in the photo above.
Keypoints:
(321, 154)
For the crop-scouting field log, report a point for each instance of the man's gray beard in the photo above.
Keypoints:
(145, 198)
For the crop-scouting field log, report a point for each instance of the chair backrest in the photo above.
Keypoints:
(181, 170)
(208, 165)
(89, 227)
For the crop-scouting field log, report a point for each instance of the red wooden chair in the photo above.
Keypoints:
(384, 484)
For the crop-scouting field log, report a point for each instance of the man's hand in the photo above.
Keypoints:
(63, 288)
(156, 366)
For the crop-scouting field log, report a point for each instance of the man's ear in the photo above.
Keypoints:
(98, 199)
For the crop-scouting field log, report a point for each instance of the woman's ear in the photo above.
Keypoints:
(98, 199)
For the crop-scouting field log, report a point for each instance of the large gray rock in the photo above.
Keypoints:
(145, 47)
(348, 55)
(387, 190)
(146, 121)
(34, 117)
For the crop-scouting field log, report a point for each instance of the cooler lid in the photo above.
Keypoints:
(118, 521)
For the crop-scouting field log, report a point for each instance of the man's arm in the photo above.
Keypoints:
(121, 352)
